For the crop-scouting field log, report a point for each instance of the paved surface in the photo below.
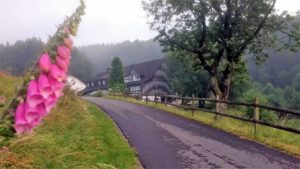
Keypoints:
(165, 141)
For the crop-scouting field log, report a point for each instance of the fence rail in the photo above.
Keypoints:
(255, 120)
(277, 109)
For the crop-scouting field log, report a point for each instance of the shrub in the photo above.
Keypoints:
(98, 93)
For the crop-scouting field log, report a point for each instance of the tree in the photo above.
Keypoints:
(184, 79)
(81, 67)
(19, 56)
(219, 32)
(116, 78)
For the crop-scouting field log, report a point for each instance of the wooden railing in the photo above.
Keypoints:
(255, 119)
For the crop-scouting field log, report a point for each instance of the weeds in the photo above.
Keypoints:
(75, 135)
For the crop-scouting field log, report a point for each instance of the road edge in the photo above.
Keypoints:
(241, 137)
(140, 164)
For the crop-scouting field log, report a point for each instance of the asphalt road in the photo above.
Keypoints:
(165, 141)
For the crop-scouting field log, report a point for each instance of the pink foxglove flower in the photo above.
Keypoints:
(44, 86)
(57, 86)
(57, 73)
(33, 95)
(64, 52)
(33, 115)
(62, 63)
(21, 124)
(50, 102)
(45, 62)
(68, 42)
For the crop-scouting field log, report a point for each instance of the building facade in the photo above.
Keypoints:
(143, 79)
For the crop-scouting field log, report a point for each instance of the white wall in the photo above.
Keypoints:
(75, 84)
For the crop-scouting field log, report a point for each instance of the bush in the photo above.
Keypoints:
(99, 93)
(264, 115)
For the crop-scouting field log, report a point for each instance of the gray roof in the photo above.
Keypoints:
(146, 70)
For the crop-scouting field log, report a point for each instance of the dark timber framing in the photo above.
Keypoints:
(143, 79)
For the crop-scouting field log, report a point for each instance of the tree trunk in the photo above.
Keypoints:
(221, 91)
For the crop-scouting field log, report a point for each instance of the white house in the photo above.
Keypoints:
(75, 84)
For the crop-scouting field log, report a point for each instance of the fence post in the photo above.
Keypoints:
(177, 102)
(146, 98)
(155, 99)
(217, 106)
(256, 115)
(193, 97)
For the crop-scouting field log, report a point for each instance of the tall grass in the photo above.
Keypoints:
(75, 135)
(8, 86)
(281, 140)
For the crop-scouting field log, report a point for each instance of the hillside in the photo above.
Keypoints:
(130, 52)
(18, 57)
(75, 134)
(281, 69)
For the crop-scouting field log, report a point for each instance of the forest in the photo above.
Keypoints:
(277, 80)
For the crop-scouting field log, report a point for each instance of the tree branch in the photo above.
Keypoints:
(283, 31)
(256, 32)
(178, 44)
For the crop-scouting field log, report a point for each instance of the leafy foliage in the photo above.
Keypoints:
(18, 57)
(184, 79)
(219, 32)
(116, 77)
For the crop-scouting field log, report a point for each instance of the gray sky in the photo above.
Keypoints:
(105, 21)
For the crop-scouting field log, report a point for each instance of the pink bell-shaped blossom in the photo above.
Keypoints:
(44, 86)
(50, 102)
(68, 42)
(59, 92)
(33, 115)
(62, 63)
(33, 95)
(63, 52)
(21, 124)
(57, 86)
(57, 73)
(45, 62)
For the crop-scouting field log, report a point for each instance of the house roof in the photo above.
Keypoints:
(146, 70)
(102, 75)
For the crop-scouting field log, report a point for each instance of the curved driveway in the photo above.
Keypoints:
(165, 141)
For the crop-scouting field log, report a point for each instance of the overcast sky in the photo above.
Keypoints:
(106, 21)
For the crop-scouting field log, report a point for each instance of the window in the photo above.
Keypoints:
(88, 85)
(99, 83)
(127, 79)
(103, 82)
(92, 83)
(135, 77)
(136, 88)
(132, 78)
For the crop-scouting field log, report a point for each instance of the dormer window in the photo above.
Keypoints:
(135, 77)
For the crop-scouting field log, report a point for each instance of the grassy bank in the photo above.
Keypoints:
(75, 135)
(281, 140)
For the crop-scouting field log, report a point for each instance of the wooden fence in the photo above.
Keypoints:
(255, 119)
